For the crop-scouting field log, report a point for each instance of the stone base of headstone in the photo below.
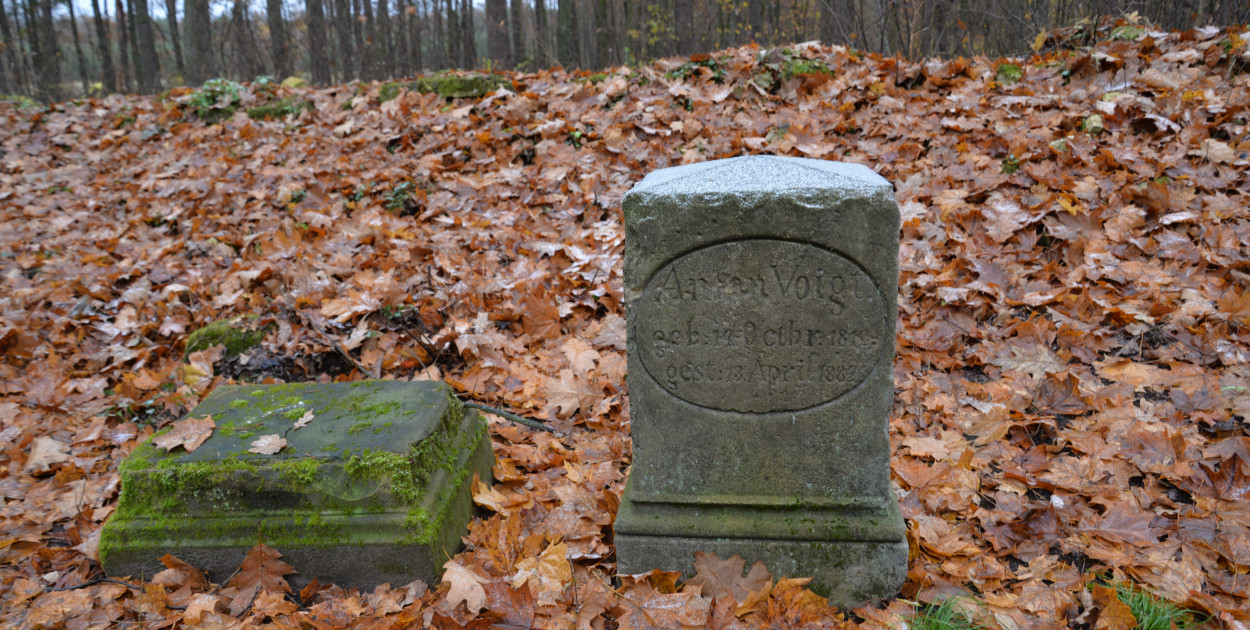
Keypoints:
(375, 488)
(852, 557)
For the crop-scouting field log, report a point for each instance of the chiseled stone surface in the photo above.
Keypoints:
(760, 294)
(375, 488)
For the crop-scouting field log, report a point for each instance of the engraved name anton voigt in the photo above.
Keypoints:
(760, 325)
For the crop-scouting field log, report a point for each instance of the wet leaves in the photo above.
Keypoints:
(189, 434)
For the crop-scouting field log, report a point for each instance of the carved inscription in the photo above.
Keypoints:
(760, 325)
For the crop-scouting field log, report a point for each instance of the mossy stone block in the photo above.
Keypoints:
(375, 488)
(233, 333)
(459, 86)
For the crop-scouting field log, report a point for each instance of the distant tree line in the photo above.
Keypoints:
(50, 49)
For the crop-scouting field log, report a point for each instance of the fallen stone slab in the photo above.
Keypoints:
(374, 488)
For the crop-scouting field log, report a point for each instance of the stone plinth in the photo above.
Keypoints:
(375, 488)
(760, 294)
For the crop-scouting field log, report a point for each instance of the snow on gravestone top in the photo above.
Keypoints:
(760, 294)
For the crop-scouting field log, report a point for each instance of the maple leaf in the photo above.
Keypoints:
(45, 452)
(189, 433)
(581, 356)
(1124, 524)
(1035, 360)
(540, 318)
(262, 568)
(548, 574)
(649, 609)
(568, 394)
(514, 605)
(1113, 614)
(268, 444)
(466, 587)
(724, 577)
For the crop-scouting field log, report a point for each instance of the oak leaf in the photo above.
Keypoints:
(264, 568)
(189, 433)
(268, 444)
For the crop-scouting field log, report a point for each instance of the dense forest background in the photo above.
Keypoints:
(54, 49)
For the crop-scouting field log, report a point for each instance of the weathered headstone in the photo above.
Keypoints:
(374, 488)
(760, 295)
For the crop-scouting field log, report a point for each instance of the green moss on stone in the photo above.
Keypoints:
(459, 86)
(227, 332)
(280, 108)
(388, 91)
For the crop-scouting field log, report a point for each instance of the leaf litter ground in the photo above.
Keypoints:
(1073, 361)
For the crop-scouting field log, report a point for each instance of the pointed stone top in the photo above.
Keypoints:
(754, 174)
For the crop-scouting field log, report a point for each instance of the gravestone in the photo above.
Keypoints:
(374, 488)
(760, 298)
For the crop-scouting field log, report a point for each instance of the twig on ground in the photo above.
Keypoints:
(337, 346)
(93, 582)
(508, 415)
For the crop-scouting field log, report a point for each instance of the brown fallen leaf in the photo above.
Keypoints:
(180, 574)
(547, 575)
(466, 587)
(262, 568)
(304, 419)
(45, 452)
(268, 444)
(1113, 614)
(189, 433)
(724, 577)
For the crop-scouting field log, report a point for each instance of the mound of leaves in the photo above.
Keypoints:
(1073, 370)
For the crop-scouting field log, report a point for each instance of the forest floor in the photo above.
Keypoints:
(1073, 357)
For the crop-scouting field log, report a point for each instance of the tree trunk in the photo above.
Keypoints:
(317, 59)
(402, 57)
(279, 46)
(369, 57)
(343, 33)
(247, 62)
(197, 31)
(171, 16)
(418, 37)
(8, 74)
(452, 24)
(108, 76)
(383, 52)
(755, 19)
(497, 32)
(566, 33)
(125, 72)
(468, 47)
(542, 42)
(516, 54)
(683, 22)
(82, 60)
(148, 61)
(136, 70)
(359, 65)
(47, 57)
